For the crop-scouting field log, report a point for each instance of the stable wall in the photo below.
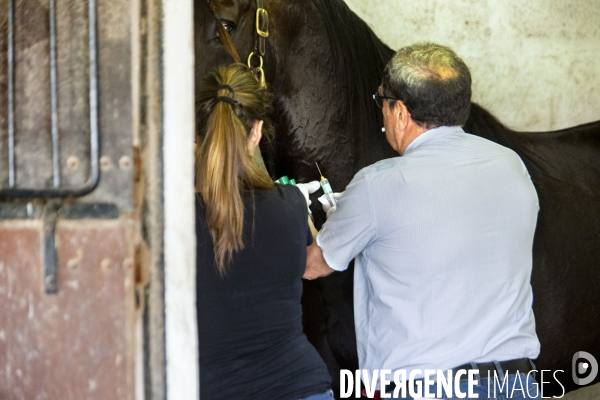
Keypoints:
(535, 64)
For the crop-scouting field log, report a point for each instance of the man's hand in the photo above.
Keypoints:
(326, 206)
(316, 266)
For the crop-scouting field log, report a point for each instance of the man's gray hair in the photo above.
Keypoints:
(433, 83)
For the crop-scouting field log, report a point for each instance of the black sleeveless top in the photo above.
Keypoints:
(250, 320)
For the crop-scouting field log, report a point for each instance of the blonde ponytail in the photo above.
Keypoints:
(230, 101)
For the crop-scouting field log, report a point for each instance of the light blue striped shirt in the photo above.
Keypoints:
(442, 238)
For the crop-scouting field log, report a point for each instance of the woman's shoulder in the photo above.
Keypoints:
(286, 199)
(293, 196)
(288, 193)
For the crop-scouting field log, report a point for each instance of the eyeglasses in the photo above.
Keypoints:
(379, 99)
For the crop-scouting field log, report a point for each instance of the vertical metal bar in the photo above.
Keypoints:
(94, 178)
(11, 93)
(54, 95)
(93, 70)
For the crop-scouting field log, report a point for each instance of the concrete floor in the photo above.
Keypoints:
(587, 393)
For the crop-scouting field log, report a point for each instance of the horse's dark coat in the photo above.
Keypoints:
(323, 63)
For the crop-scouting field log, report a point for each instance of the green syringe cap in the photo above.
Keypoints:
(284, 180)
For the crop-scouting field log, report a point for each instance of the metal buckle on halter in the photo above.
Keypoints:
(258, 69)
(262, 12)
(261, 79)
(250, 60)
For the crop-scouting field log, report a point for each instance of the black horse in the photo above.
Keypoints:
(323, 63)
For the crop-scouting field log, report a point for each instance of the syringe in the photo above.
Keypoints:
(326, 189)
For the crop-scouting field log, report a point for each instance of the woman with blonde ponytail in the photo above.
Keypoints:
(252, 236)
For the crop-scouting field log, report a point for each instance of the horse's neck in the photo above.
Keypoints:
(358, 58)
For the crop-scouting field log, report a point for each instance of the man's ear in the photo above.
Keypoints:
(255, 135)
(400, 114)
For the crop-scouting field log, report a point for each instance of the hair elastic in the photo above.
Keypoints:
(225, 87)
(226, 100)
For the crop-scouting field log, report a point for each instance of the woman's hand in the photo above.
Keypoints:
(308, 188)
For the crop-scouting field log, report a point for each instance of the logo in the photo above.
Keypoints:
(589, 366)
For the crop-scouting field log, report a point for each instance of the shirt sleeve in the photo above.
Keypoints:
(531, 185)
(351, 227)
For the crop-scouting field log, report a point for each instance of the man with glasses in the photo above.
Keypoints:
(441, 236)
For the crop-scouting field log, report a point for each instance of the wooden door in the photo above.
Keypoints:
(67, 259)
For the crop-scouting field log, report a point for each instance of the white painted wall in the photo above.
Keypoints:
(179, 210)
(535, 63)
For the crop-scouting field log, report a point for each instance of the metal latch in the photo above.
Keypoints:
(50, 259)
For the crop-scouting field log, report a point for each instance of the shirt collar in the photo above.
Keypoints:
(431, 135)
